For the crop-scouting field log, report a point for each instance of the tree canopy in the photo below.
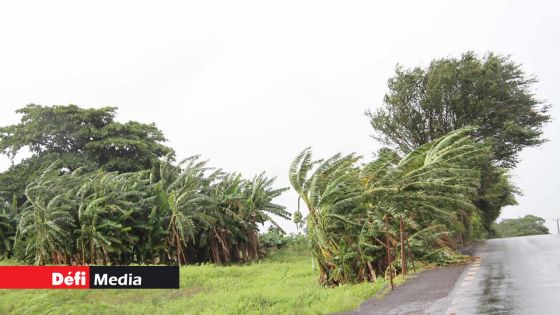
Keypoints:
(492, 92)
(528, 225)
(91, 133)
(422, 197)
(96, 191)
(175, 213)
(76, 137)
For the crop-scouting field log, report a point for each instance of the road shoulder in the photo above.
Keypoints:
(427, 293)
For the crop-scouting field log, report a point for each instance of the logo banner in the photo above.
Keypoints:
(89, 277)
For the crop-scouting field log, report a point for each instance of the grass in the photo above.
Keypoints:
(281, 284)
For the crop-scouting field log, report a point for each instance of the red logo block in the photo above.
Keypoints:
(44, 277)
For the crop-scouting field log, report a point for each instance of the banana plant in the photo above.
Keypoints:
(360, 214)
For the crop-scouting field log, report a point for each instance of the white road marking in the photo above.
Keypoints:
(458, 300)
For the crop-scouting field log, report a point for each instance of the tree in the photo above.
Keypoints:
(419, 197)
(44, 227)
(95, 191)
(107, 204)
(75, 137)
(492, 93)
(175, 213)
(179, 200)
(256, 208)
(528, 225)
(7, 233)
(496, 191)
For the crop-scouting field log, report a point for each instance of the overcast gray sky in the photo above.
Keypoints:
(250, 84)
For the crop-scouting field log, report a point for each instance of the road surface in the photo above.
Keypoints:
(518, 275)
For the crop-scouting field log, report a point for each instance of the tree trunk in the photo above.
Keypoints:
(178, 248)
(462, 233)
(403, 255)
(371, 271)
(389, 262)
(410, 254)
(91, 253)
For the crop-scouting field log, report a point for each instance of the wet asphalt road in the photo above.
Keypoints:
(518, 275)
(425, 294)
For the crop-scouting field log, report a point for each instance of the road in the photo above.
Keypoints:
(519, 275)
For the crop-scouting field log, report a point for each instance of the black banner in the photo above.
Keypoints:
(134, 277)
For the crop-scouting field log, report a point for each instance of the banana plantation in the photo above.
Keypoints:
(170, 214)
(372, 219)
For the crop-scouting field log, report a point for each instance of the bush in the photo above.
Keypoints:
(275, 239)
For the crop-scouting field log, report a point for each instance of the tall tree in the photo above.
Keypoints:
(492, 92)
(76, 137)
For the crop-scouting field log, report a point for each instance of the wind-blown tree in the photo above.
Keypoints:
(97, 191)
(257, 207)
(233, 199)
(107, 205)
(179, 198)
(352, 208)
(44, 227)
(492, 93)
(172, 214)
(429, 188)
(329, 190)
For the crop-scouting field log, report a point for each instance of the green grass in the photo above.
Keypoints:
(281, 284)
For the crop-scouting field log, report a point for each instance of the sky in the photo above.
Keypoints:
(249, 84)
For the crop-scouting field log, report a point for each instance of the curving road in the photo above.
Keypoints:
(519, 275)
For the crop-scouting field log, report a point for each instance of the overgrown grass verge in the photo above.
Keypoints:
(281, 284)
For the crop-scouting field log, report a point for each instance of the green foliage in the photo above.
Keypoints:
(92, 133)
(496, 191)
(7, 233)
(75, 137)
(173, 214)
(528, 225)
(298, 219)
(95, 191)
(283, 283)
(350, 206)
(477, 230)
(275, 239)
(492, 93)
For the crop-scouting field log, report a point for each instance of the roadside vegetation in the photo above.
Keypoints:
(453, 131)
(138, 207)
(173, 214)
(361, 217)
(528, 225)
(283, 283)
(92, 190)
